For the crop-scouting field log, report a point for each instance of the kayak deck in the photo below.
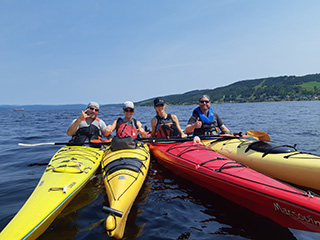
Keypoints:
(284, 204)
(279, 161)
(124, 172)
(66, 174)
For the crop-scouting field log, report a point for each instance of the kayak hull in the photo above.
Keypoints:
(284, 204)
(281, 162)
(66, 174)
(124, 172)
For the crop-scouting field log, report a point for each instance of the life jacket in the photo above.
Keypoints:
(127, 129)
(209, 123)
(166, 127)
(86, 131)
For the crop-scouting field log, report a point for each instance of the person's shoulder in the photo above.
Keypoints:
(135, 120)
(216, 114)
(195, 113)
(173, 116)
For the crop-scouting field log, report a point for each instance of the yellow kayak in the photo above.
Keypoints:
(66, 174)
(124, 172)
(279, 161)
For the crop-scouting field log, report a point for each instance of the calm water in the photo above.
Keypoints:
(167, 207)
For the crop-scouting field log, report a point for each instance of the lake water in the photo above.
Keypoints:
(167, 207)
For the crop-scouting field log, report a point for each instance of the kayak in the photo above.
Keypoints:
(282, 203)
(124, 172)
(279, 161)
(66, 174)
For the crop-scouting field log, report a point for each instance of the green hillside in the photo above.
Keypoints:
(285, 88)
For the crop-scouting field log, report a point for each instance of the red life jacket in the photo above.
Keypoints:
(127, 129)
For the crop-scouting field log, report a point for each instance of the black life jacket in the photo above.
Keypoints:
(86, 132)
(166, 127)
(127, 129)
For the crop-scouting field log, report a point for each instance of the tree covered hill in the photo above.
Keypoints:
(284, 88)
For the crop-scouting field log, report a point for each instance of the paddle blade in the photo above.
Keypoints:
(100, 141)
(262, 136)
(35, 144)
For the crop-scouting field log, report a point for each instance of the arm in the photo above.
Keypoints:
(153, 126)
(176, 120)
(141, 130)
(224, 129)
(75, 124)
(110, 128)
(192, 126)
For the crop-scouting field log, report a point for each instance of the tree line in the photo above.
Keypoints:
(283, 88)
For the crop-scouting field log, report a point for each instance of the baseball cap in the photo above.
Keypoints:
(93, 104)
(128, 104)
(158, 101)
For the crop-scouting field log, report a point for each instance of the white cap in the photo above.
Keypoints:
(128, 104)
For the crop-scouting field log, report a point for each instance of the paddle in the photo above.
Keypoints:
(41, 144)
(262, 136)
(92, 142)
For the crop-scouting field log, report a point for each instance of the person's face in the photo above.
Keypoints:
(204, 103)
(128, 112)
(92, 112)
(160, 107)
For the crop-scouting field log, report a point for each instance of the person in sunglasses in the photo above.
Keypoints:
(87, 126)
(164, 124)
(204, 121)
(127, 126)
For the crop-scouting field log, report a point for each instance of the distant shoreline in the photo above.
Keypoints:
(22, 108)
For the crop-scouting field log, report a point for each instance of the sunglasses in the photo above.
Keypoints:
(160, 105)
(129, 110)
(94, 109)
(204, 101)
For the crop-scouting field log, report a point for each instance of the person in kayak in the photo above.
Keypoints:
(164, 124)
(87, 126)
(127, 126)
(204, 121)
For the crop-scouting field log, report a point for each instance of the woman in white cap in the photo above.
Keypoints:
(127, 126)
(164, 124)
(87, 126)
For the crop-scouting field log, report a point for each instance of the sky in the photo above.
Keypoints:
(110, 51)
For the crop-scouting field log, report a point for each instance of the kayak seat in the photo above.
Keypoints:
(133, 164)
(267, 148)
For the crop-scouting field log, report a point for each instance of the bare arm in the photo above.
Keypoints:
(224, 129)
(191, 127)
(153, 127)
(111, 128)
(141, 130)
(74, 126)
(176, 120)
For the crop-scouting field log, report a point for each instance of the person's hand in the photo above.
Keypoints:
(83, 115)
(108, 129)
(183, 135)
(198, 124)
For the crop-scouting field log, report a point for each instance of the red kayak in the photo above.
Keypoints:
(284, 204)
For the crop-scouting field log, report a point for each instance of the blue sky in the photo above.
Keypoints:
(110, 51)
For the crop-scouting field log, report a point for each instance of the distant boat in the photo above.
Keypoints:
(18, 109)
